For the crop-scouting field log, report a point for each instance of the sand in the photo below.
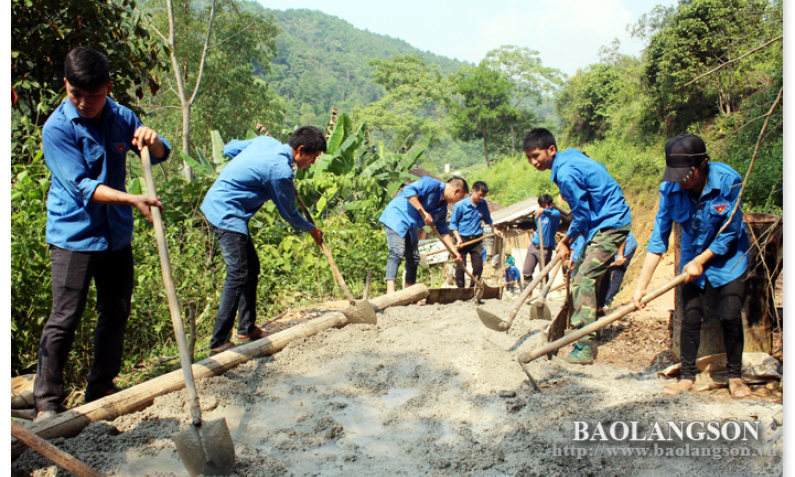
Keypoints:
(427, 391)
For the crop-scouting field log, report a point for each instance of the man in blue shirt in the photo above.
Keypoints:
(614, 276)
(89, 224)
(598, 211)
(423, 202)
(512, 278)
(465, 225)
(702, 197)
(261, 170)
(547, 221)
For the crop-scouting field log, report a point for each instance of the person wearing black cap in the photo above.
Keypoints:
(701, 196)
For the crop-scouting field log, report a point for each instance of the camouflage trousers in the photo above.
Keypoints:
(589, 270)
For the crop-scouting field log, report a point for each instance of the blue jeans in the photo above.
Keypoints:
(240, 289)
(612, 279)
(397, 251)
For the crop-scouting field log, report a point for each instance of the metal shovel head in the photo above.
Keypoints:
(492, 321)
(207, 449)
(539, 310)
(364, 313)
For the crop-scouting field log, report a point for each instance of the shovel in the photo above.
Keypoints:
(480, 285)
(494, 322)
(424, 256)
(525, 358)
(206, 448)
(539, 310)
(361, 311)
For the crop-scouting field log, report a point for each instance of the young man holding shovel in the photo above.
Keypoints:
(261, 170)
(423, 202)
(598, 211)
(547, 223)
(90, 224)
(702, 196)
(465, 225)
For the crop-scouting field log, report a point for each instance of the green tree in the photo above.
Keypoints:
(42, 33)
(701, 36)
(417, 100)
(484, 112)
(215, 51)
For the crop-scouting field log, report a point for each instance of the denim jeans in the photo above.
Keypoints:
(611, 281)
(240, 289)
(398, 246)
(72, 272)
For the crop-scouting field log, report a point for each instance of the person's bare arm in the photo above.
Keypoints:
(105, 195)
(649, 265)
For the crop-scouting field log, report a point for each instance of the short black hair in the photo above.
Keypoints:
(310, 137)
(86, 68)
(460, 183)
(480, 185)
(538, 138)
(545, 200)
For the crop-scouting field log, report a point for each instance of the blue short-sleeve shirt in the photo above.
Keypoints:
(549, 220)
(261, 170)
(403, 218)
(701, 218)
(466, 217)
(82, 154)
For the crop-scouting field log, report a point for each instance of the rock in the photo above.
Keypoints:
(779, 418)
(507, 394)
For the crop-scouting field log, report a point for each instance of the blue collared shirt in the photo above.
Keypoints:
(467, 216)
(511, 274)
(595, 198)
(261, 170)
(701, 219)
(82, 154)
(630, 245)
(403, 218)
(576, 248)
(550, 220)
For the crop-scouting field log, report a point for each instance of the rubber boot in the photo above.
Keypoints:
(581, 354)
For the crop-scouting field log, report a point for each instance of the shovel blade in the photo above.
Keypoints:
(492, 321)
(207, 449)
(364, 313)
(540, 311)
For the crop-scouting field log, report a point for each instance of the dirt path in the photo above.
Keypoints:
(427, 391)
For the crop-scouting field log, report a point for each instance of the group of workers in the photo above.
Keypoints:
(90, 226)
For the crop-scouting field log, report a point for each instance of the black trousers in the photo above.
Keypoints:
(72, 272)
(532, 259)
(728, 300)
(476, 252)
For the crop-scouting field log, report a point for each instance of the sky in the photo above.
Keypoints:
(566, 33)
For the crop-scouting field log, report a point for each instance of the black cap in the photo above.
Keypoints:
(681, 153)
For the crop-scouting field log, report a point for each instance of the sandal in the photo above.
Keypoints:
(676, 388)
(739, 389)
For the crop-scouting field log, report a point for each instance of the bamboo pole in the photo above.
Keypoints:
(141, 396)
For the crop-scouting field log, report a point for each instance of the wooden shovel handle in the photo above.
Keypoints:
(529, 288)
(56, 455)
(483, 237)
(436, 232)
(334, 270)
(597, 325)
(171, 292)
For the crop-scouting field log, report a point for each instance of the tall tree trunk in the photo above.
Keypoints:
(486, 146)
(185, 102)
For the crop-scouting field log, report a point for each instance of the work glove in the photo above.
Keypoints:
(317, 234)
